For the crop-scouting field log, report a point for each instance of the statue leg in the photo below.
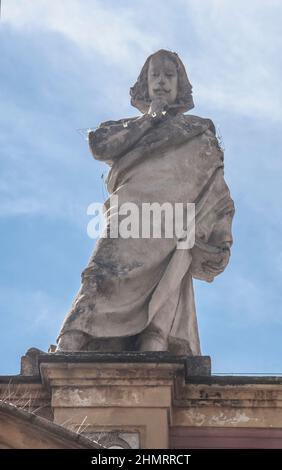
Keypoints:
(108, 345)
(152, 340)
(73, 341)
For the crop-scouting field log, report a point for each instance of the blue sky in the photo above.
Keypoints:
(69, 65)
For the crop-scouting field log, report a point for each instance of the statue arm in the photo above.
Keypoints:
(111, 141)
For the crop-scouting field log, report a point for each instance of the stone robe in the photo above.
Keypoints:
(136, 285)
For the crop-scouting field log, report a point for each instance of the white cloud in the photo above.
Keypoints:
(232, 50)
(233, 46)
(234, 64)
(90, 24)
(238, 66)
(249, 299)
(32, 310)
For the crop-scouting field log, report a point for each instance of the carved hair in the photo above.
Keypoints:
(139, 92)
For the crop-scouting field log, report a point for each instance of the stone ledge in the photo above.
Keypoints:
(235, 380)
(194, 366)
(20, 379)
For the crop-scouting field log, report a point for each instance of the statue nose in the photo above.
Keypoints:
(161, 81)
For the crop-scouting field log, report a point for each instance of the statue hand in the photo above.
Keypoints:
(216, 264)
(158, 110)
(157, 106)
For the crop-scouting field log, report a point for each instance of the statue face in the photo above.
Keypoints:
(162, 79)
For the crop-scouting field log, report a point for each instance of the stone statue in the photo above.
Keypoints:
(137, 293)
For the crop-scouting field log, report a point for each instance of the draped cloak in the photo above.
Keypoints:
(134, 285)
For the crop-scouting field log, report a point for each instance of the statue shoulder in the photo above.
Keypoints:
(199, 121)
(120, 122)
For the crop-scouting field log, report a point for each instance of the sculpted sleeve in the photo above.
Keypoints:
(214, 211)
(101, 140)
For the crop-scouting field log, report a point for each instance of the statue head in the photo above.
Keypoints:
(163, 76)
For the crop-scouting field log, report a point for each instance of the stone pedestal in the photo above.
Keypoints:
(123, 400)
(145, 400)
